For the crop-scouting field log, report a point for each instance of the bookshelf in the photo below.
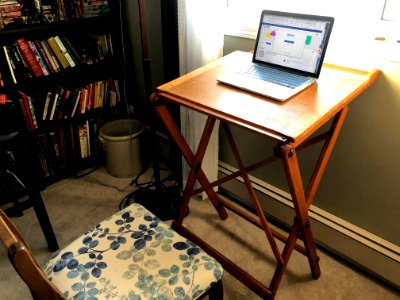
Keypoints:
(60, 65)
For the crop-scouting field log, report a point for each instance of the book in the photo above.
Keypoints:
(49, 57)
(57, 51)
(32, 110)
(21, 61)
(64, 103)
(74, 53)
(52, 57)
(110, 45)
(30, 57)
(83, 141)
(76, 101)
(57, 159)
(101, 46)
(39, 58)
(54, 105)
(46, 105)
(94, 8)
(44, 56)
(10, 14)
(51, 152)
(111, 93)
(48, 9)
(26, 111)
(8, 2)
(10, 62)
(42, 157)
(84, 99)
(57, 102)
(3, 99)
(116, 83)
(62, 13)
(68, 104)
(89, 140)
(10, 7)
(64, 51)
(91, 95)
(61, 139)
(99, 94)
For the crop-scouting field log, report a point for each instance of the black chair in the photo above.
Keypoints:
(19, 179)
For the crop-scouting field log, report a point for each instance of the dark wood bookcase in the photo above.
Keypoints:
(67, 143)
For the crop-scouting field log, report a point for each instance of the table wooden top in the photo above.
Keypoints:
(293, 120)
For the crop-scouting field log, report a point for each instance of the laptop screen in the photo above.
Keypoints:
(293, 41)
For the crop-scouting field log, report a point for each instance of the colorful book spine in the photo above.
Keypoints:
(39, 58)
(30, 57)
(52, 57)
(44, 56)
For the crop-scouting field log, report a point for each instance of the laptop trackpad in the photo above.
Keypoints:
(263, 88)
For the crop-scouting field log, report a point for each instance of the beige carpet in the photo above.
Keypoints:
(74, 205)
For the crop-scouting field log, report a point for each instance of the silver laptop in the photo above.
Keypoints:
(288, 55)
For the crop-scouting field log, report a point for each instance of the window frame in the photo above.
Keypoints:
(248, 29)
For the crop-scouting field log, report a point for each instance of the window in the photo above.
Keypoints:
(243, 15)
(358, 23)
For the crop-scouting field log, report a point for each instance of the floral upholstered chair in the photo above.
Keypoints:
(131, 255)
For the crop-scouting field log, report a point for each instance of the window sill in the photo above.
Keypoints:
(244, 32)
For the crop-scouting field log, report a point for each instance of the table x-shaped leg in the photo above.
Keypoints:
(194, 162)
(287, 152)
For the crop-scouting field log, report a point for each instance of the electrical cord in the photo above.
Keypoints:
(161, 199)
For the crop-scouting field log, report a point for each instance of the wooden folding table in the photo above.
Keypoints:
(291, 124)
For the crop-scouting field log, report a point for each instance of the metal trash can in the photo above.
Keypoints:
(122, 145)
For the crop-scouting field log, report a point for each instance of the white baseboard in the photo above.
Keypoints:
(368, 251)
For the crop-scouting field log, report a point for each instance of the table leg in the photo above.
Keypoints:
(292, 170)
(326, 152)
(252, 195)
(301, 199)
(162, 110)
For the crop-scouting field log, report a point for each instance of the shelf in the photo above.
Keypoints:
(94, 24)
(60, 143)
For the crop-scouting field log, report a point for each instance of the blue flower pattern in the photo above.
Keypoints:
(154, 262)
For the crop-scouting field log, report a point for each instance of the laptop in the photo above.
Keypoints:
(288, 55)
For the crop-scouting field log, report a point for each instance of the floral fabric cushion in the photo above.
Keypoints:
(133, 255)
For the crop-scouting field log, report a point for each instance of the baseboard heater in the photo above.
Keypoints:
(373, 254)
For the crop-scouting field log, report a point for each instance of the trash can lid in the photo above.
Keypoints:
(121, 130)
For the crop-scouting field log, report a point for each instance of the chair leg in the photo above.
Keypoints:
(216, 292)
(44, 221)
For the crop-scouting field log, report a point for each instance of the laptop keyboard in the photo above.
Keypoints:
(275, 76)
